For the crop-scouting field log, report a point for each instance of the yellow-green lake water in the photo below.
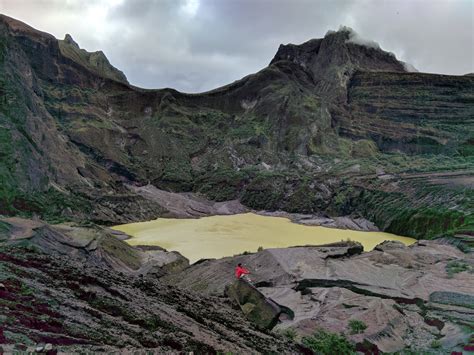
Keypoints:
(219, 236)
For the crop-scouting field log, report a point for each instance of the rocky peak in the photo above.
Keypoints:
(300, 54)
(95, 62)
(333, 59)
(69, 40)
(340, 47)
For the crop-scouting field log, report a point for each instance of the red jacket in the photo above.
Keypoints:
(240, 270)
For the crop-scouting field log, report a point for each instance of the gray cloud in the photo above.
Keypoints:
(197, 45)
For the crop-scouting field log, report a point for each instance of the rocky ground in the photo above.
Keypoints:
(69, 288)
(413, 298)
(76, 289)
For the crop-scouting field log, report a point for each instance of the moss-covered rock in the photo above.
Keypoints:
(263, 312)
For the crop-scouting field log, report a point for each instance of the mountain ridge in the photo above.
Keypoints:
(328, 137)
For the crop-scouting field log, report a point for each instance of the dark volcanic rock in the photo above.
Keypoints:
(257, 308)
(333, 59)
(96, 62)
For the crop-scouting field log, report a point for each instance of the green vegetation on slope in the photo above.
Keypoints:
(18, 194)
(326, 343)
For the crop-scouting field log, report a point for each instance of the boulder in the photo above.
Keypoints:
(260, 310)
(389, 245)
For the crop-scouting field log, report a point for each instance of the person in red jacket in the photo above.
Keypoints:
(241, 272)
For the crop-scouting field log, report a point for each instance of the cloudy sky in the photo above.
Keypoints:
(197, 45)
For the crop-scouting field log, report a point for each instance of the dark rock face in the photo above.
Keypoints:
(330, 127)
(331, 61)
(69, 40)
(396, 111)
(265, 266)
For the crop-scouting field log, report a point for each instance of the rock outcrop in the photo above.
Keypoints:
(342, 222)
(94, 246)
(96, 62)
(187, 205)
(257, 308)
(332, 60)
(407, 297)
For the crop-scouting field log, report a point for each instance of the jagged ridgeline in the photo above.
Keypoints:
(330, 126)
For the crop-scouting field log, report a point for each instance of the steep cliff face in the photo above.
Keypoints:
(325, 122)
(332, 61)
(413, 113)
(33, 148)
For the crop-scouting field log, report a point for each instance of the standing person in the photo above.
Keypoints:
(241, 272)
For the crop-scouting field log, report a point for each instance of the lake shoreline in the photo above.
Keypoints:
(342, 222)
(187, 205)
(226, 235)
